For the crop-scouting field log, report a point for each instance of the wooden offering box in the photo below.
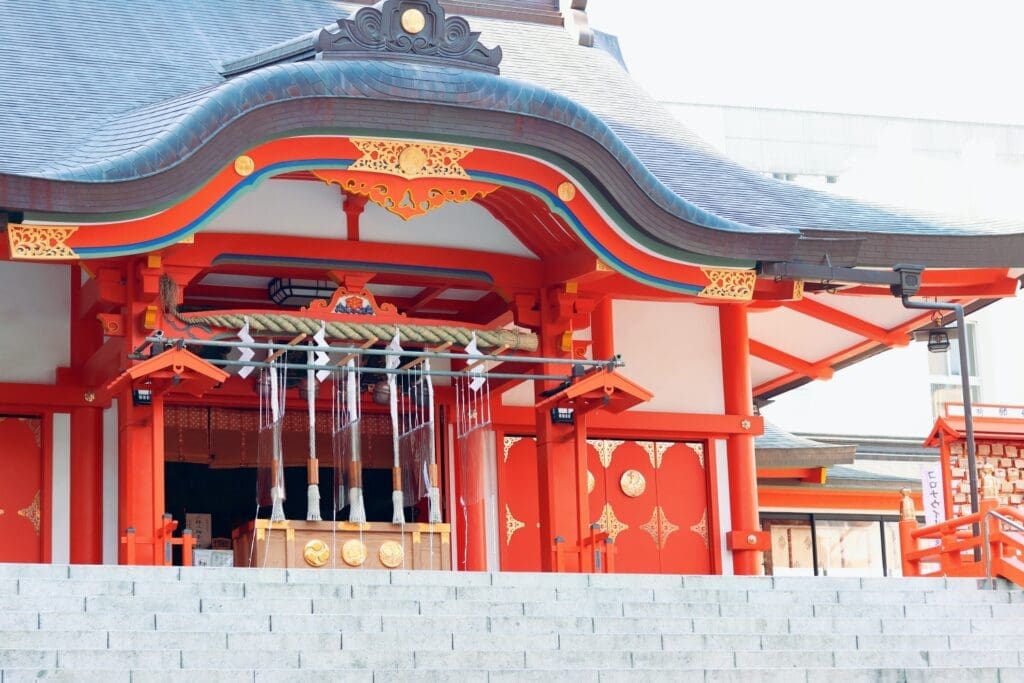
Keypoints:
(341, 545)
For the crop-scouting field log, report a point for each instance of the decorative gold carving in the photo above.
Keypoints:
(408, 200)
(40, 242)
(701, 528)
(244, 165)
(353, 553)
(655, 451)
(421, 159)
(610, 523)
(413, 20)
(512, 524)
(590, 482)
(31, 513)
(798, 290)
(391, 554)
(605, 449)
(698, 448)
(567, 191)
(745, 424)
(316, 553)
(729, 284)
(659, 527)
(632, 483)
(35, 425)
(507, 445)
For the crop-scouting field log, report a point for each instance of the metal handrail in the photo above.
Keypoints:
(987, 548)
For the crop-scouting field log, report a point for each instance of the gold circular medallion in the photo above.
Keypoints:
(316, 553)
(244, 165)
(412, 160)
(590, 481)
(632, 483)
(413, 20)
(391, 554)
(353, 552)
(567, 191)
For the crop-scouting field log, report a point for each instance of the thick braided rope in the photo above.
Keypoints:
(278, 323)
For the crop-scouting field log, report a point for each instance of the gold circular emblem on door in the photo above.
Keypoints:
(590, 481)
(316, 553)
(353, 552)
(391, 554)
(413, 20)
(632, 483)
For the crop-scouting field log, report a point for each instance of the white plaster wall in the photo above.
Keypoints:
(888, 394)
(34, 327)
(110, 533)
(313, 209)
(724, 503)
(672, 350)
(999, 336)
(60, 501)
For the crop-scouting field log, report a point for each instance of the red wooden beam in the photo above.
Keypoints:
(851, 323)
(820, 370)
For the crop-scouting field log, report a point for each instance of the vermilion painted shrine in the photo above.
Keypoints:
(417, 284)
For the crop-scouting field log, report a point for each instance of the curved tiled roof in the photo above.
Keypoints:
(144, 95)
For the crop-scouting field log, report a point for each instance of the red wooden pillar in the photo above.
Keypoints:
(745, 539)
(86, 486)
(556, 457)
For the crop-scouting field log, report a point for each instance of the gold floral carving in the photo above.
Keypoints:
(512, 524)
(698, 448)
(410, 160)
(353, 553)
(659, 527)
(391, 554)
(632, 483)
(316, 553)
(408, 199)
(605, 449)
(610, 523)
(40, 242)
(729, 284)
(655, 451)
(701, 528)
(31, 513)
(507, 445)
(35, 425)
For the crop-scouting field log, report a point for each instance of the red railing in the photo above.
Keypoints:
(988, 543)
(162, 543)
(596, 553)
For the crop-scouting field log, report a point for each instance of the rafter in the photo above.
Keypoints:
(798, 365)
(851, 323)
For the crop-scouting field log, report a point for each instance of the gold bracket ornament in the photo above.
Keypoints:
(40, 242)
(512, 525)
(410, 160)
(610, 523)
(659, 527)
(32, 513)
(737, 285)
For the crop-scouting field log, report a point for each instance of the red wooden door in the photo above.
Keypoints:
(21, 486)
(519, 504)
(681, 517)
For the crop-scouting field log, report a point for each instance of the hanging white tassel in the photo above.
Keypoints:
(313, 503)
(277, 512)
(397, 504)
(357, 511)
(434, 505)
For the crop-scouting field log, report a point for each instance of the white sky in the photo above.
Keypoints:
(940, 59)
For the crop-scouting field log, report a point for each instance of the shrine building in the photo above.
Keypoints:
(417, 284)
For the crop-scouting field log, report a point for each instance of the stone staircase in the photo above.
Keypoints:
(85, 623)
